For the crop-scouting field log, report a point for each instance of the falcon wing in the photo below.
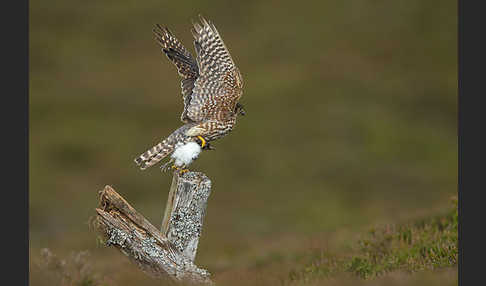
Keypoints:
(186, 65)
(219, 85)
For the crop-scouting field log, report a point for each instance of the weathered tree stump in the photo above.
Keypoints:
(171, 251)
(185, 210)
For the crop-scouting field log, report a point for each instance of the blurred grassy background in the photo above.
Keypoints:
(351, 122)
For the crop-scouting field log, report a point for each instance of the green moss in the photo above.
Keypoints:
(429, 243)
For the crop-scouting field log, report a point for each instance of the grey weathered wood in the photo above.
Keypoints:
(185, 210)
(169, 204)
(160, 254)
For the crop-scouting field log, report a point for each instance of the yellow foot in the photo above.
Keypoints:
(183, 171)
(203, 141)
(180, 170)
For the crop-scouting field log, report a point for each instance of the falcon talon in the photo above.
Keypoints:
(201, 141)
(205, 145)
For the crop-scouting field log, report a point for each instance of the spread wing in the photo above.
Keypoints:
(219, 85)
(186, 65)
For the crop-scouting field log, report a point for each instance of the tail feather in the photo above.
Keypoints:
(154, 155)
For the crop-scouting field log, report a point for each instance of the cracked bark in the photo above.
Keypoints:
(171, 251)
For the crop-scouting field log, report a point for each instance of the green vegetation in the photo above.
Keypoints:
(425, 244)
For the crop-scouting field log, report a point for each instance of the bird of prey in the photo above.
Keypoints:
(211, 89)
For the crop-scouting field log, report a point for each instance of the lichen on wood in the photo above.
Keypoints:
(169, 253)
(187, 207)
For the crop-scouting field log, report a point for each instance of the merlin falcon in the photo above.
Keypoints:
(211, 89)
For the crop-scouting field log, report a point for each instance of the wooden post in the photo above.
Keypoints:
(185, 210)
(166, 253)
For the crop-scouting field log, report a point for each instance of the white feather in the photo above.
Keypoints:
(185, 154)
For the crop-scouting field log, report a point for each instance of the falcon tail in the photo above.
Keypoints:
(154, 154)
